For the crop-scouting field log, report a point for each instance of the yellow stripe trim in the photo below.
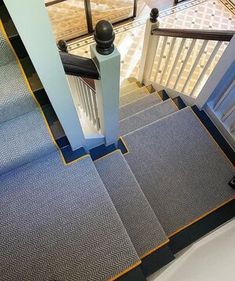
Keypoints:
(124, 143)
(108, 154)
(155, 249)
(213, 140)
(125, 271)
(201, 217)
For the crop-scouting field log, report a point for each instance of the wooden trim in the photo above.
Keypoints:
(155, 249)
(125, 271)
(201, 217)
(53, 2)
(217, 35)
(87, 5)
(135, 5)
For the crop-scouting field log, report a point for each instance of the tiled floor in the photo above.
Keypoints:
(198, 14)
(69, 21)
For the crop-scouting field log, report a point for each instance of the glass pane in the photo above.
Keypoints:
(68, 18)
(112, 10)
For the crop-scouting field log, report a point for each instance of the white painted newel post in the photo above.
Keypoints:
(149, 46)
(107, 60)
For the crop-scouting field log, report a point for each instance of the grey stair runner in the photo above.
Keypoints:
(7, 55)
(58, 223)
(141, 104)
(128, 81)
(129, 87)
(15, 98)
(133, 96)
(180, 168)
(23, 140)
(141, 224)
(147, 116)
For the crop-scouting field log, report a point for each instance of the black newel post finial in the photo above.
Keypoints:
(154, 15)
(62, 46)
(104, 37)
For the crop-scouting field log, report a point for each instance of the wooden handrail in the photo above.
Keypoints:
(53, 2)
(217, 35)
(79, 66)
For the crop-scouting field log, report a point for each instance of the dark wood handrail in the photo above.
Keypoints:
(217, 35)
(53, 2)
(79, 66)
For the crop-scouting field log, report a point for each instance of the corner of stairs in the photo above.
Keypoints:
(121, 217)
(142, 225)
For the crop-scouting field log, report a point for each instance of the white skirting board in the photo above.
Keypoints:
(209, 259)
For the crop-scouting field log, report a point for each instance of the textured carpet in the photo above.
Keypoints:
(59, 223)
(129, 87)
(23, 140)
(147, 116)
(180, 169)
(133, 96)
(56, 222)
(141, 104)
(15, 98)
(6, 53)
(141, 224)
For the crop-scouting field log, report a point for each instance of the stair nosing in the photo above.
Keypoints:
(154, 93)
(152, 106)
(160, 119)
(145, 91)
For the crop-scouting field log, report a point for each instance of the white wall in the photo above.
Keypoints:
(218, 73)
(210, 259)
(32, 22)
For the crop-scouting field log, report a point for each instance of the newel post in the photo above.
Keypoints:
(107, 60)
(149, 46)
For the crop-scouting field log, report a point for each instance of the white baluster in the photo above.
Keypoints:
(208, 63)
(161, 57)
(168, 58)
(197, 60)
(177, 57)
(189, 52)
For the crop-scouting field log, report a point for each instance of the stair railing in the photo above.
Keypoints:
(180, 59)
(85, 99)
(94, 83)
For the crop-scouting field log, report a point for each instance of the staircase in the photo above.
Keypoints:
(78, 216)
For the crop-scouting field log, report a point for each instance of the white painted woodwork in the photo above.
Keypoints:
(107, 92)
(32, 22)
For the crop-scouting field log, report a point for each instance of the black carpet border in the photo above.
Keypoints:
(157, 260)
(215, 133)
(202, 227)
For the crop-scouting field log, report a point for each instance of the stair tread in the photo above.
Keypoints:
(139, 105)
(14, 93)
(61, 209)
(180, 168)
(131, 204)
(129, 88)
(134, 95)
(147, 116)
(128, 81)
(24, 139)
